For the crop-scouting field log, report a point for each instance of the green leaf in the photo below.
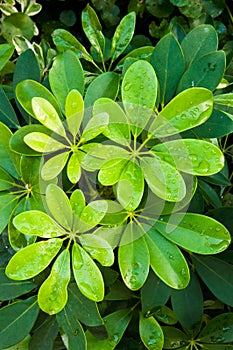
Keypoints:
(163, 179)
(191, 156)
(27, 89)
(77, 201)
(218, 330)
(139, 93)
(166, 52)
(142, 53)
(85, 309)
(91, 215)
(7, 113)
(59, 205)
(46, 114)
(64, 40)
(199, 41)
(93, 29)
(7, 205)
(9, 160)
(43, 143)
(165, 315)
(31, 260)
(74, 111)
(194, 232)
(54, 166)
(34, 222)
(22, 345)
(111, 171)
(74, 167)
(174, 338)
(6, 51)
(10, 289)
(95, 126)
(44, 334)
(188, 109)
(151, 333)
(209, 194)
(16, 321)
(65, 75)
(118, 129)
(131, 181)
(98, 248)
(188, 304)
(224, 216)
(53, 295)
(207, 71)
(87, 275)
(154, 294)
(17, 24)
(217, 275)
(167, 261)
(105, 85)
(133, 258)
(123, 35)
(6, 181)
(72, 331)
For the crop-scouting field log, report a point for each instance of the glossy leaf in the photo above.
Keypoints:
(95, 126)
(165, 53)
(118, 129)
(10, 289)
(217, 275)
(142, 53)
(188, 109)
(87, 275)
(47, 115)
(9, 159)
(98, 248)
(111, 171)
(74, 167)
(91, 215)
(59, 205)
(133, 257)
(34, 222)
(218, 330)
(53, 295)
(74, 110)
(77, 201)
(54, 166)
(163, 179)
(139, 93)
(6, 51)
(105, 85)
(123, 35)
(7, 113)
(43, 143)
(33, 259)
(198, 42)
(131, 181)
(151, 333)
(92, 28)
(207, 71)
(191, 156)
(167, 261)
(174, 338)
(6, 181)
(65, 75)
(64, 40)
(194, 232)
(16, 321)
(165, 315)
(7, 205)
(28, 89)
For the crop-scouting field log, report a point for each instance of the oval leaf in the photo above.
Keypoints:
(74, 111)
(43, 143)
(54, 166)
(151, 333)
(98, 248)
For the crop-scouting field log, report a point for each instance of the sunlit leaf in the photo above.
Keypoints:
(54, 166)
(98, 248)
(74, 111)
(41, 142)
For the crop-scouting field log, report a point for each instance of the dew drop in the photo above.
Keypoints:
(127, 87)
(193, 157)
(152, 341)
(203, 166)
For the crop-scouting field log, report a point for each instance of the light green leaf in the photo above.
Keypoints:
(41, 142)
(93, 29)
(188, 109)
(142, 53)
(133, 257)
(167, 261)
(123, 35)
(118, 129)
(87, 275)
(31, 260)
(64, 40)
(91, 215)
(191, 156)
(98, 248)
(7, 205)
(111, 234)
(207, 71)
(74, 167)
(131, 181)
(9, 159)
(139, 93)
(34, 222)
(53, 295)
(166, 52)
(111, 171)
(54, 166)
(198, 42)
(74, 111)
(17, 320)
(96, 125)
(6, 51)
(77, 201)
(6, 181)
(151, 333)
(18, 24)
(65, 75)
(163, 179)
(47, 115)
(59, 205)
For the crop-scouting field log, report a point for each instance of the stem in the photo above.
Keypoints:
(144, 143)
(229, 13)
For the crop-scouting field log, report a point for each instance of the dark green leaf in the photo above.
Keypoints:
(151, 333)
(9, 160)
(209, 194)
(7, 113)
(45, 334)
(7, 205)
(223, 215)
(218, 330)
(174, 338)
